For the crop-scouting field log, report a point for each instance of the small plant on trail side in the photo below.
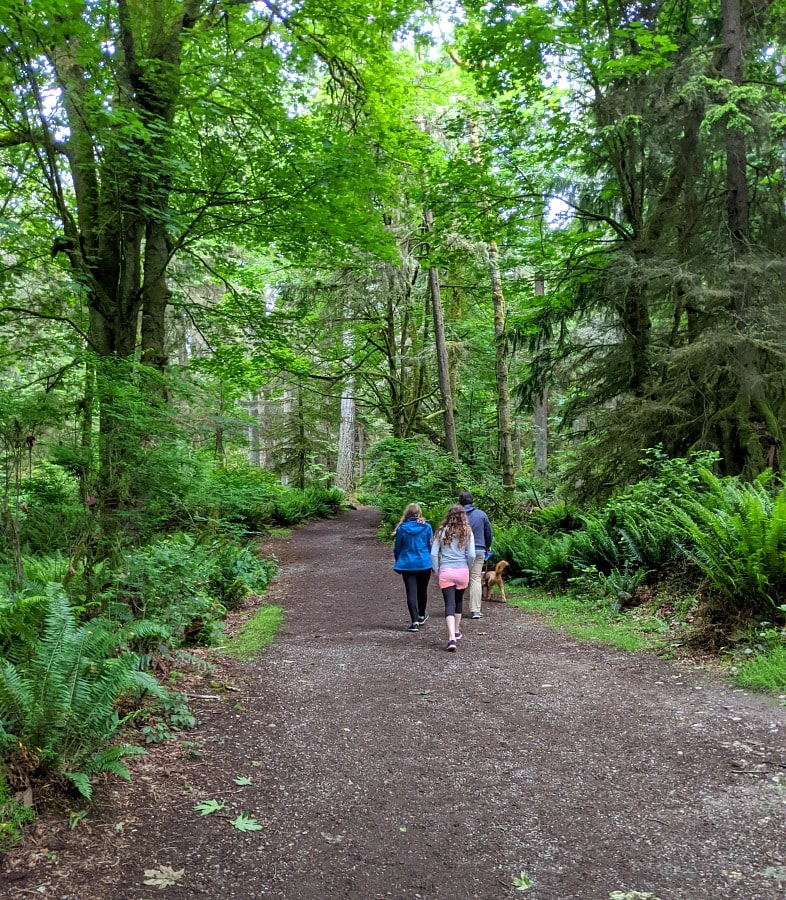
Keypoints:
(13, 815)
(620, 586)
(522, 881)
(170, 714)
(763, 666)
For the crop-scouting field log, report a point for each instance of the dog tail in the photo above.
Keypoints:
(501, 566)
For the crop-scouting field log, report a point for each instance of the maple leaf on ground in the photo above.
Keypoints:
(163, 876)
(244, 822)
(206, 807)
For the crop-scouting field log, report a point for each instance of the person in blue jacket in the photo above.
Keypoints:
(412, 558)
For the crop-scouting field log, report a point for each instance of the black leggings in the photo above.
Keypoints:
(454, 598)
(416, 586)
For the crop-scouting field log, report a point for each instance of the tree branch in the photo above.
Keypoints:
(32, 314)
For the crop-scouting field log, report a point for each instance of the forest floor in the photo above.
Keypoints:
(377, 765)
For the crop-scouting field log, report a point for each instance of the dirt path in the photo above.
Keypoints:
(381, 766)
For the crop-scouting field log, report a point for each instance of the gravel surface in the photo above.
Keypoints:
(381, 766)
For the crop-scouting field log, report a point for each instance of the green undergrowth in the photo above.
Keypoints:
(762, 667)
(586, 620)
(13, 815)
(257, 633)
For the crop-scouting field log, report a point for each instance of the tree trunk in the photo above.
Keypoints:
(443, 368)
(757, 434)
(504, 420)
(117, 240)
(541, 413)
(301, 460)
(155, 296)
(345, 465)
(736, 159)
(254, 431)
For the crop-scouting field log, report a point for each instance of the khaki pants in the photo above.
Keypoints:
(474, 582)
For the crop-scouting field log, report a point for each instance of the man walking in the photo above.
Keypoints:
(482, 532)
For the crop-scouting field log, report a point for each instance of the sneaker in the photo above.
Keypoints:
(475, 615)
(423, 619)
(413, 627)
(451, 646)
(459, 635)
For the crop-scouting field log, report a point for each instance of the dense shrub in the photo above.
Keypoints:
(169, 581)
(234, 499)
(557, 517)
(402, 471)
(52, 515)
(237, 572)
(294, 506)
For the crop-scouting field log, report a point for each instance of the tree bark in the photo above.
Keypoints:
(541, 413)
(254, 430)
(443, 369)
(117, 238)
(736, 158)
(504, 420)
(345, 466)
(757, 434)
(345, 463)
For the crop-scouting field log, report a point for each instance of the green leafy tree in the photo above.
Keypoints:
(640, 313)
(154, 132)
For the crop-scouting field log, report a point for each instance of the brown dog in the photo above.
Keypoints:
(493, 579)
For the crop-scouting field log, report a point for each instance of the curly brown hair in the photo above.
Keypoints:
(455, 525)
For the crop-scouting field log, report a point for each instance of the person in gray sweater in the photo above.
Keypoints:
(452, 556)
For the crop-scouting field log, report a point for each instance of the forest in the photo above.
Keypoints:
(261, 260)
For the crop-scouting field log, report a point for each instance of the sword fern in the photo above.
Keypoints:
(736, 535)
(60, 693)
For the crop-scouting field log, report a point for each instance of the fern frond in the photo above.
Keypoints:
(16, 697)
(110, 759)
(81, 782)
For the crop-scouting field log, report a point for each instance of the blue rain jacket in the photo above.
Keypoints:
(412, 549)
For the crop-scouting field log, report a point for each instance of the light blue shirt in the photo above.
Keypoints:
(452, 557)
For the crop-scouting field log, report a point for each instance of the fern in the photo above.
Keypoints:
(41, 570)
(108, 760)
(736, 534)
(597, 547)
(59, 697)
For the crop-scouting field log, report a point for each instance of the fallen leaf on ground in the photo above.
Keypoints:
(163, 876)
